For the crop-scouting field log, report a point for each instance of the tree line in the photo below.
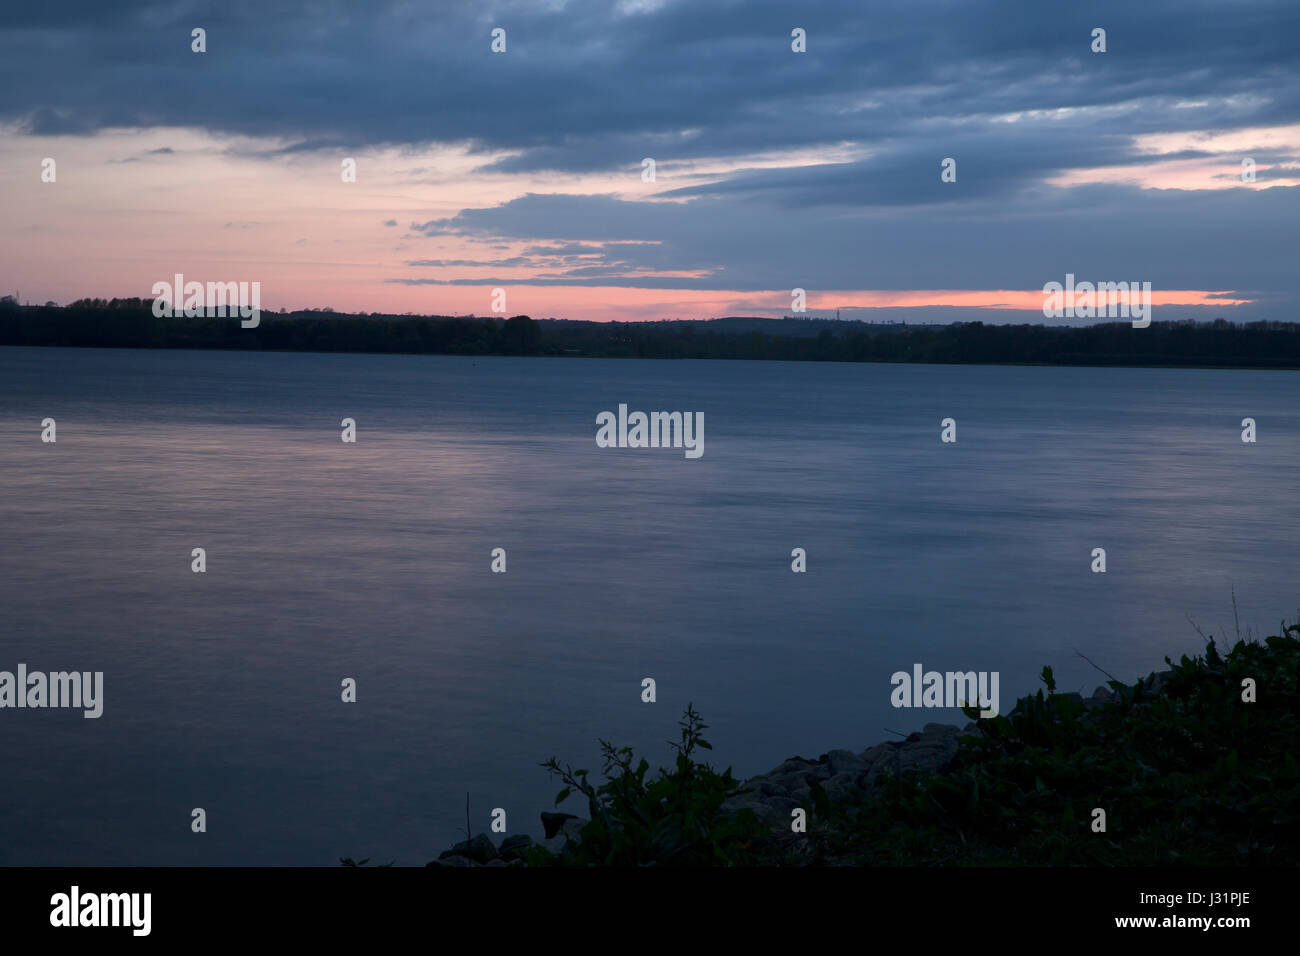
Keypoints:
(130, 323)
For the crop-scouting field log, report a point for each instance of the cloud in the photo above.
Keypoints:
(1052, 142)
(586, 86)
(1211, 239)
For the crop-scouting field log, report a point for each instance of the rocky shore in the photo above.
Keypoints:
(843, 774)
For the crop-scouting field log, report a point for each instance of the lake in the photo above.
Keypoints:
(371, 561)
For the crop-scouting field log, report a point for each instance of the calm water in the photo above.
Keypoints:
(371, 561)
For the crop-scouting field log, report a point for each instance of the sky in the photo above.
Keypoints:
(524, 170)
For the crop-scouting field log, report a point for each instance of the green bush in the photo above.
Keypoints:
(674, 820)
(1190, 775)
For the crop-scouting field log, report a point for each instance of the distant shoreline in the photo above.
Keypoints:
(130, 323)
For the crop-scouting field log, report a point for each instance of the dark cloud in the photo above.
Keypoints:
(1176, 239)
(1007, 88)
(583, 86)
(44, 121)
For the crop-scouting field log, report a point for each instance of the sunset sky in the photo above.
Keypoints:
(774, 169)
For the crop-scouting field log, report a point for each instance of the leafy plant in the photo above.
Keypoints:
(675, 819)
(1191, 775)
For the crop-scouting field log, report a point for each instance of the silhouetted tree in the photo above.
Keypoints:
(521, 335)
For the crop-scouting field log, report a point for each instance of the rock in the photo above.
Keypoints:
(748, 801)
(845, 776)
(782, 785)
(515, 847)
(771, 809)
(874, 755)
(498, 862)
(843, 786)
(793, 765)
(451, 860)
(930, 750)
(552, 822)
(780, 807)
(570, 831)
(941, 730)
(479, 849)
(843, 761)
